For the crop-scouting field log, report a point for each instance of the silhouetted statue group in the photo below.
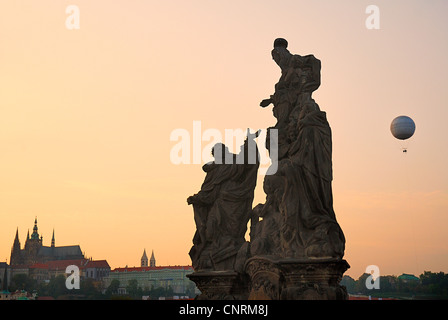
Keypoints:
(297, 222)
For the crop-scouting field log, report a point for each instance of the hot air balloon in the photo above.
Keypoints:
(402, 128)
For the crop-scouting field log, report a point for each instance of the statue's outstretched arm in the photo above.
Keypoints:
(265, 102)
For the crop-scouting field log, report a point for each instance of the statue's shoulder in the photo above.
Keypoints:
(209, 166)
(309, 56)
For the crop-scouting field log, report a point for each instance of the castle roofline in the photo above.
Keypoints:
(63, 264)
(142, 269)
(97, 264)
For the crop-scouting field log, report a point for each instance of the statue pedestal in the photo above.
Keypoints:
(313, 279)
(265, 278)
(296, 279)
(220, 285)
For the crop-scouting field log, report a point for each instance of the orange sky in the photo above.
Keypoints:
(86, 117)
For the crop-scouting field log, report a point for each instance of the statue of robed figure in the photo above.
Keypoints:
(223, 206)
(299, 194)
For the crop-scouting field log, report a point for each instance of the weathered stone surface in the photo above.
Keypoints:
(296, 279)
(266, 279)
(313, 279)
(223, 207)
(220, 285)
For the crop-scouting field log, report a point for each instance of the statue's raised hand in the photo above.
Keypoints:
(192, 200)
(265, 103)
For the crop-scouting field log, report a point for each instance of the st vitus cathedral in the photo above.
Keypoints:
(35, 252)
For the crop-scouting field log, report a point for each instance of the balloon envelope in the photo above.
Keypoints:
(402, 127)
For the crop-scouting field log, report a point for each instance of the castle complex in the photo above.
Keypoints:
(43, 263)
(35, 252)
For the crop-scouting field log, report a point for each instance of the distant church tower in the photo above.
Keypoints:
(144, 259)
(152, 261)
(35, 234)
(32, 245)
(52, 240)
(16, 257)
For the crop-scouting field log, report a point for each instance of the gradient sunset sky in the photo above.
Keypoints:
(86, 117)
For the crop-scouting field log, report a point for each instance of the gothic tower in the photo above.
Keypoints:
(144, 260)
(33, 245)
(16, 256)
(152, 261)
(35, 234)
(52, 240)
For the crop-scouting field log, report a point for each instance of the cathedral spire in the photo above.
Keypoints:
(35, 234)
(152, 261)
(52, 240)
(144, 260)
(16, 240)
(15, 250)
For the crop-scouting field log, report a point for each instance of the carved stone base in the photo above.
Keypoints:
(266, 278)
(220, 285)
(294, 279)
(313, 279)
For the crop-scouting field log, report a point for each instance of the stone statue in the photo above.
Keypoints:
(296, 244)
(223, 206)
(300, 77)
(299, 195)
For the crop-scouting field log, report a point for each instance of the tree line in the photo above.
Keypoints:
(429, 285)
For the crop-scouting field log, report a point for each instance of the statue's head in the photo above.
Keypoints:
(280, 53)
(220, 151)
(280, 42)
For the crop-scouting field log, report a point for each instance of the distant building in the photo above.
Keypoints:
(43, 272)
(57, 267)
(152, 261)
(5, 276)
(97, 270)
(152, 276)
(5, 295)
(144, 260)
(35, 252)
(43, 263)
(17, 295)
(39, 272)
